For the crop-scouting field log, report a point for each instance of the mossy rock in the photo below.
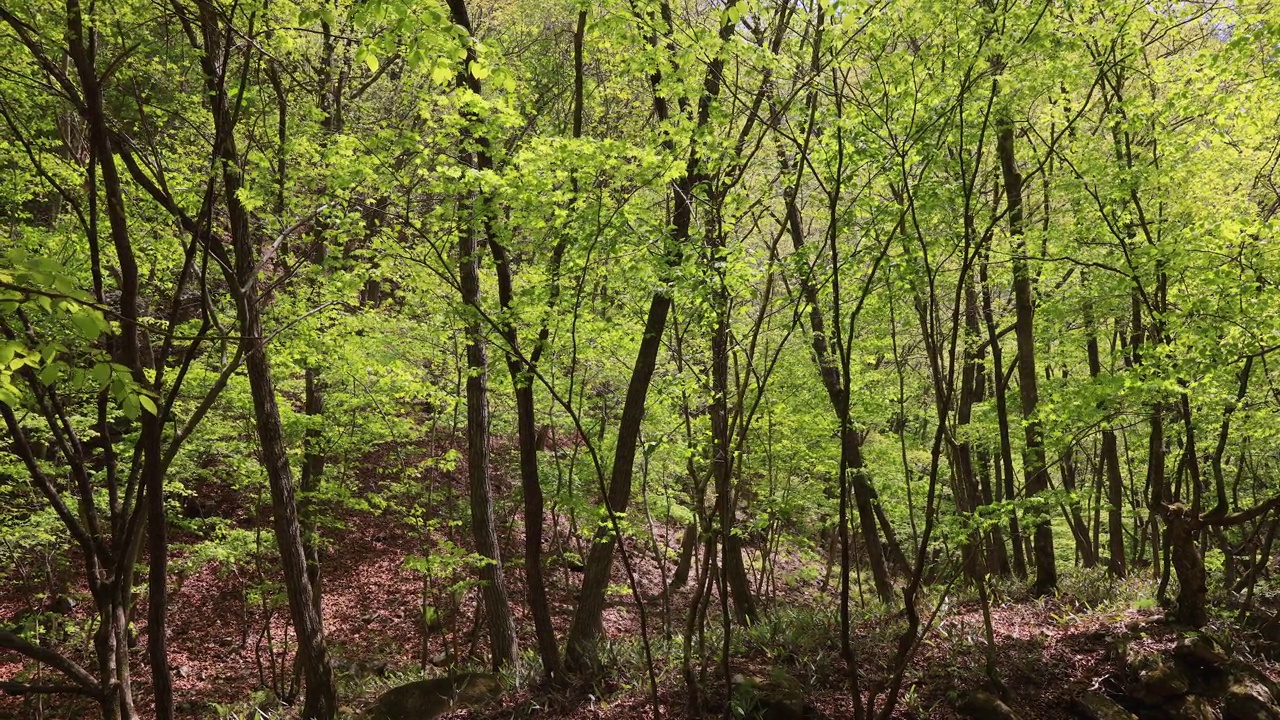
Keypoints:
(981, 705)
(1095, 706)
(1192, 707)
(1202, 652)
(778, 697)
(429, 699)
(1249, 699)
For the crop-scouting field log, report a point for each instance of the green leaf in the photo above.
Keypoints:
(101, 373)
(88, 324)
(441, 74)
(49, 374)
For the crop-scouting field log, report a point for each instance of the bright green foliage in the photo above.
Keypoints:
(849, 218)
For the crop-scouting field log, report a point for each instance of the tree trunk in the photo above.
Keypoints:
(1109, 457)
(493, 590)
(1079, 526)
(688, 544)
(158, 568)
(1115, 502)
(721, 441)
(1024, 309)
(472, 214)
(502, 629)
(864, 503)
(580, 653)
(531, 483)
(968, 496)
(313, 460)
(998, 555)
(1004, 471)
(580, 650)
(320, 699)
(312, 471)
(1187, 564)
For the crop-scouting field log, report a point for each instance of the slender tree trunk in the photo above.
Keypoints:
(534, 513)
(1004, 470)
(850, 442)
(502, 636)
(313, 461)
(893, 553)
(312, 470)
(474, 215)
(1115, 501)
(968, 496)
(521, 373)
(158, 572)
(997, 553)
(1109, 457)
(319, 700)
(1079, 527)
(587, 625)
(1024, 308)
(688, 545)
(580, 653)
(860, 487)
(721, 442)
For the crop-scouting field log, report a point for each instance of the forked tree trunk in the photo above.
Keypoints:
(493, 590)
(580, 651)
(320, 696)
(1109, 457)
(1075, 518)
(502, 628)
(1188, 565)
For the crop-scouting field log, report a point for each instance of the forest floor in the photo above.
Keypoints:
(229, 644)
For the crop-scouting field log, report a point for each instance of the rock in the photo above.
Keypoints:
(1136, 660)
(979, 705)
(779, 697)
(1100, 707)
(1161, 682)
(1243, 671)
(1201, 651)
(428, 699)
(1192, 707)
(1248, 699)
(1119, 649)
(62, 605)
